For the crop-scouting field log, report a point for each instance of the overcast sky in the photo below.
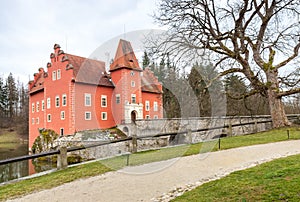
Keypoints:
(30, 28)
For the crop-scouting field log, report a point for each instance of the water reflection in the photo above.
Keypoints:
(14, 171)
(23, 168)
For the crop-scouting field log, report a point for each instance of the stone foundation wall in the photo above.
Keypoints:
(145, 128)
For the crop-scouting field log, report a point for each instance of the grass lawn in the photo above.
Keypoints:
(99, 167)
(10, 144)
(278, 180)
(7, 136)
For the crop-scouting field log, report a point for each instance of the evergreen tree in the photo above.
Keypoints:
(235, 89)
(2, 96)
(12, 95)
(198, 84)
(146, 60)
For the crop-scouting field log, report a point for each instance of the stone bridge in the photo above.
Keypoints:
(235, 126)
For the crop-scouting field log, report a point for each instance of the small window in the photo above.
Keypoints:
(87, 99)
(58, 74)
(62, 132)
(32, 107)
(43, 105)
(133, 98)
(132, 73)
(37, 120)
(132, 84)
(62, 115)
(147, 116)
(155, 106)
(64, 100)
(49, 117)
(37, 106)
(103, 101)
(103, 115)
(155, 117)
(32, 121)
(147, 105)
(88, 116)
(53, 75)
(118, 99)
(48, 103)
(57, 101)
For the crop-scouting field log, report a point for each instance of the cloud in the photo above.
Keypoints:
(29, 29)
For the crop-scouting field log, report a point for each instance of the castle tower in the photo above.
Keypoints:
(126, 75)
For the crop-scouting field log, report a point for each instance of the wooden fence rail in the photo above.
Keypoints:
(61, 152)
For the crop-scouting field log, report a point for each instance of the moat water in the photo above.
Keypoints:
(20, 169)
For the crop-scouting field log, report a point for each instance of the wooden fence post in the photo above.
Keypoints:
(229, 130)
(62, 158)
(255, 127)
(134, 139)
(189, 136)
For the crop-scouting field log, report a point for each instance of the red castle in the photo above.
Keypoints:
(76, 93)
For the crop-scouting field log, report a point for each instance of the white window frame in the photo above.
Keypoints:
(32, 121)
(43, 105)
(155, 106)
(37, 120)
(49, 117)
(32, 107)
(48, 103)
(133, 98)
(37, 106)
(53, 75)
(87, 97)
(58, 74)
(87, 118)
(103, 116)
(118, 98)
(132, 83)
(147, 105)
(62, 115)
(104, 98)
(64, 100)
(57, 101)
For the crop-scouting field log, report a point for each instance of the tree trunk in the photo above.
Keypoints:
(278, 115)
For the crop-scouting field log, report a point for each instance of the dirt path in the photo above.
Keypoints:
(158, 181)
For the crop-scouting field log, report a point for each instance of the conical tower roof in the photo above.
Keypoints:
(125, 57)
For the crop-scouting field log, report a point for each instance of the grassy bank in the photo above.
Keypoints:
(99, 167)
(11, 144)
(278, 180)
(8, 136)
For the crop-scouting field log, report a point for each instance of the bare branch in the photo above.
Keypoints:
(244, 96)
(287, 93)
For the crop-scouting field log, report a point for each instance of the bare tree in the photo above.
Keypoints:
(254, 38)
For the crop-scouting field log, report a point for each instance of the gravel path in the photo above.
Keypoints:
(164, 180)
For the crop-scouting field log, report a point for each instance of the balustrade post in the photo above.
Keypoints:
(62, 158)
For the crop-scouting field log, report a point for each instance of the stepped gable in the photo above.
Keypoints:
(125, 57)
(89, 71)
(150, 83)
(37, 84)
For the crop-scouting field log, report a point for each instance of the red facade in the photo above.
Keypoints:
(76, 93)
